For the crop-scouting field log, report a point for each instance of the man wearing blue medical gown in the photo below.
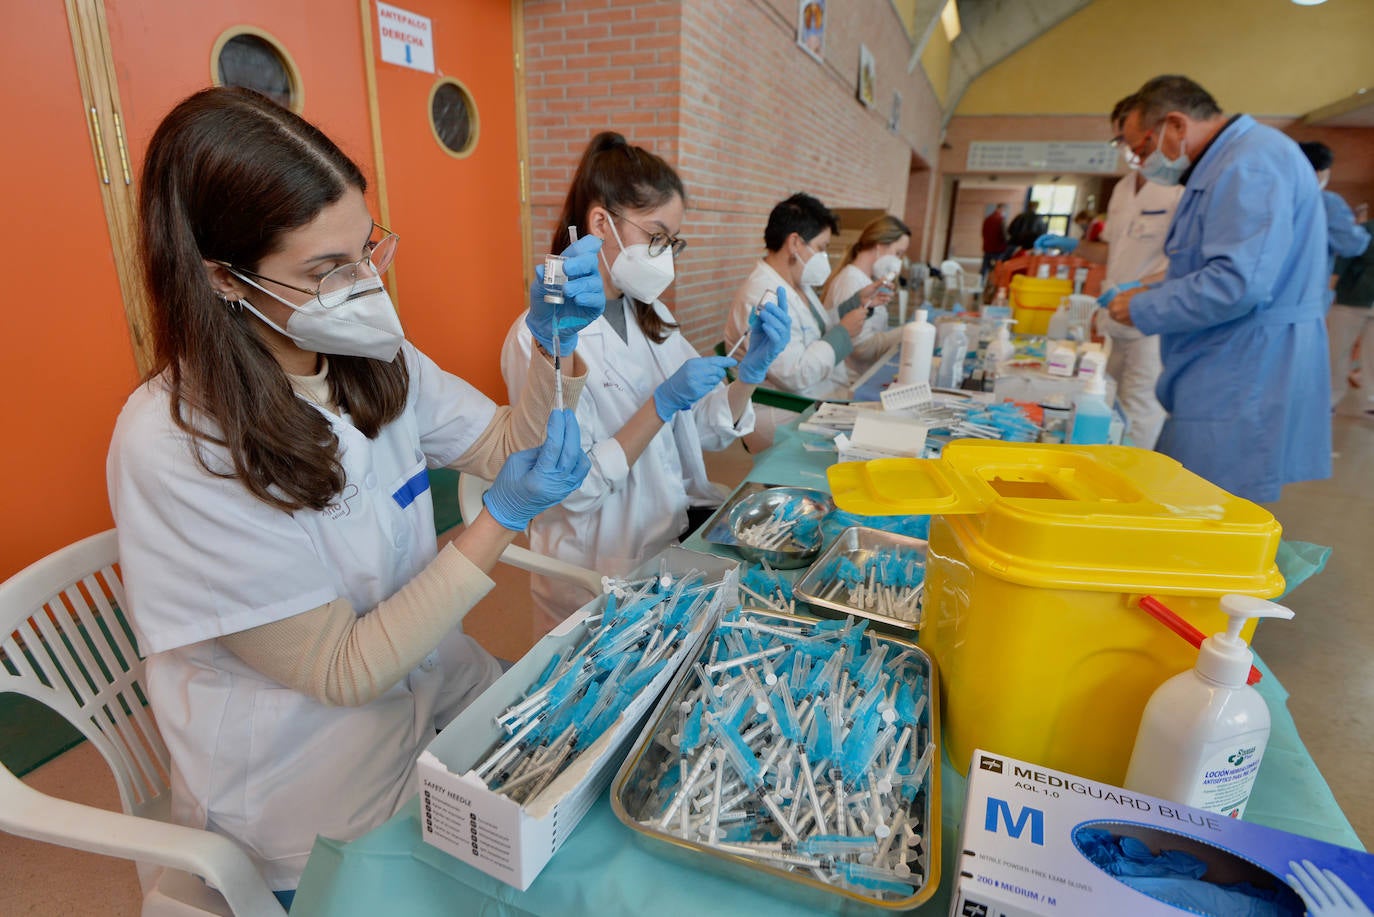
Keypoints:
(1240, 314)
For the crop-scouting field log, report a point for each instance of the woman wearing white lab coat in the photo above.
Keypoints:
(651, 403)
(268, 480)
(812, 364)
(875, 256)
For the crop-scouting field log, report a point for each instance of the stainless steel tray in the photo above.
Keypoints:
(858, 544)
(634, 789)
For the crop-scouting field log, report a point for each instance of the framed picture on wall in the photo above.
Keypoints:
(811, 27)
(868, 78)
(894, 119)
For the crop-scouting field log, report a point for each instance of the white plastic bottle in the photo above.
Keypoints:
(1059, 322)
(953, 352)
(918, 346)
(1204, 731)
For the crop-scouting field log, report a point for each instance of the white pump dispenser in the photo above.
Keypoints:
(1203, 732)
(918, 347)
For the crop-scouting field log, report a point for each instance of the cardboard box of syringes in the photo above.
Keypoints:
(1037, 842)
(512, 841)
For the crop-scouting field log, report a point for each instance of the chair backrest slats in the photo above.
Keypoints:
(108, 617)
(72, 649)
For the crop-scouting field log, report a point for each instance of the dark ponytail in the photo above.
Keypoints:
(228, 172)
(620, 176)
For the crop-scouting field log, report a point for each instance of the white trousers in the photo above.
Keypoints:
(1344, 326)
(1134, 364)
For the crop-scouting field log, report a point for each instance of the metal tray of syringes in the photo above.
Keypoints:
(634, 791)
(860, 545)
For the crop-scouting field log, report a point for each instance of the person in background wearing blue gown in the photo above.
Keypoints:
(1240, 313)
(1345, 237)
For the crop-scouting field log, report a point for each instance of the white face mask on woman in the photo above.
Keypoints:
(817, 268)
(887, 266)
(636, 272)
(357, 323)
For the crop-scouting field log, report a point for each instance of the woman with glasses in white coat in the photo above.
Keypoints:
(269, 487)
(651, 404)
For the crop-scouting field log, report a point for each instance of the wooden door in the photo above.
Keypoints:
(163, 51)
(460, 268)
(68, 364)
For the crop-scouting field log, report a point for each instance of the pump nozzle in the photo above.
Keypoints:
(1225, 657)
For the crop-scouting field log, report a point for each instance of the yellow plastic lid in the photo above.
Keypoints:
(1096, 517)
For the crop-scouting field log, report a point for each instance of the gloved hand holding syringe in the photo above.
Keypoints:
(567, 295)
(770, 328)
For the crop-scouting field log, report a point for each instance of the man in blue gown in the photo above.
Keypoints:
(1240, 312)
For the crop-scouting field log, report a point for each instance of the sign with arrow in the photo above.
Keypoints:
(407, 39)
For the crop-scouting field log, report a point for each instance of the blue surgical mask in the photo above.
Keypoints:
(1162, 170)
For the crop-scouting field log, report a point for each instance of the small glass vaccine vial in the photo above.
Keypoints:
(554, 278)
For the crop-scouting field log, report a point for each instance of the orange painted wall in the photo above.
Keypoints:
(68, 365)
(459, 277)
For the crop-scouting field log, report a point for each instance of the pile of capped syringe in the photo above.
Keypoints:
(789, 527)
(887, 581)
(803, 745)
(581, 694)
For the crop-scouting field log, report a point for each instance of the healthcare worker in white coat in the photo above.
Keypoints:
(1241, 311)
(812, 365)
(1138, 216)
(269, 487)
(651, 404)
(875, 256)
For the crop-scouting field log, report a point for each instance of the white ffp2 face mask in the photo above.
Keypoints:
(887, 266)
(636, 272)
(817, 269)
(364, 324)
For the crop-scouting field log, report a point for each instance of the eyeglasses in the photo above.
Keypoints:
(337, 286)
(658, 241)
(1131, 155)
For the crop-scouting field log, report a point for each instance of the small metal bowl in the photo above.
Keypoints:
(757, 507)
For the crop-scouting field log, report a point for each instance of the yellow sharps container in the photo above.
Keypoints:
(1037, 556)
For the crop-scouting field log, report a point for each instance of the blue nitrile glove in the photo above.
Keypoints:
(1110, 293)
(1050, 240)
(770, 329)
(584, 299)
(689, 384)
(532, 480)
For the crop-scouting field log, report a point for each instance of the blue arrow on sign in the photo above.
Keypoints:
(407, 54)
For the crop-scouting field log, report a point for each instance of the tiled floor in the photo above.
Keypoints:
(1322, 658)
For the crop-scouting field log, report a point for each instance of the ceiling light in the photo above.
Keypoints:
(1309, 2)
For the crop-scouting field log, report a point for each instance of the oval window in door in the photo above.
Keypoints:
(251, 58)
(453, 117)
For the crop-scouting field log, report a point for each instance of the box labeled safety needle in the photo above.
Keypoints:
(1042, 842)
(502, 787)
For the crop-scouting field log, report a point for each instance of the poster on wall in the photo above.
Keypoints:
(868, 78)
(811, 27)
(894, 120)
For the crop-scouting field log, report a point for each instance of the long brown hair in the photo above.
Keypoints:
(619, 176)
(228, 173)
(885, 230)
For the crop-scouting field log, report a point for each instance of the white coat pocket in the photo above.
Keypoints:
(1149, 224)
(412, 484)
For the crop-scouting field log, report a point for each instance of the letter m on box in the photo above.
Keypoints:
(1000, 811)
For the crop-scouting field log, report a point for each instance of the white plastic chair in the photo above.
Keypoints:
(64, 646)
(470, 491)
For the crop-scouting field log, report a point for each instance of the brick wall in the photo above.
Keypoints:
(721, 90)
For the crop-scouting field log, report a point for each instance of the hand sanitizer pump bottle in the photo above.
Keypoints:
(1204, 731)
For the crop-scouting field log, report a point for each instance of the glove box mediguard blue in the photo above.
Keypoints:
(1028, 831)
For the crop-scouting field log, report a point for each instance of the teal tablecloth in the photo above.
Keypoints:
(605, 869)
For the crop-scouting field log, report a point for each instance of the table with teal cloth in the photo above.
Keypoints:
(605, 869)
